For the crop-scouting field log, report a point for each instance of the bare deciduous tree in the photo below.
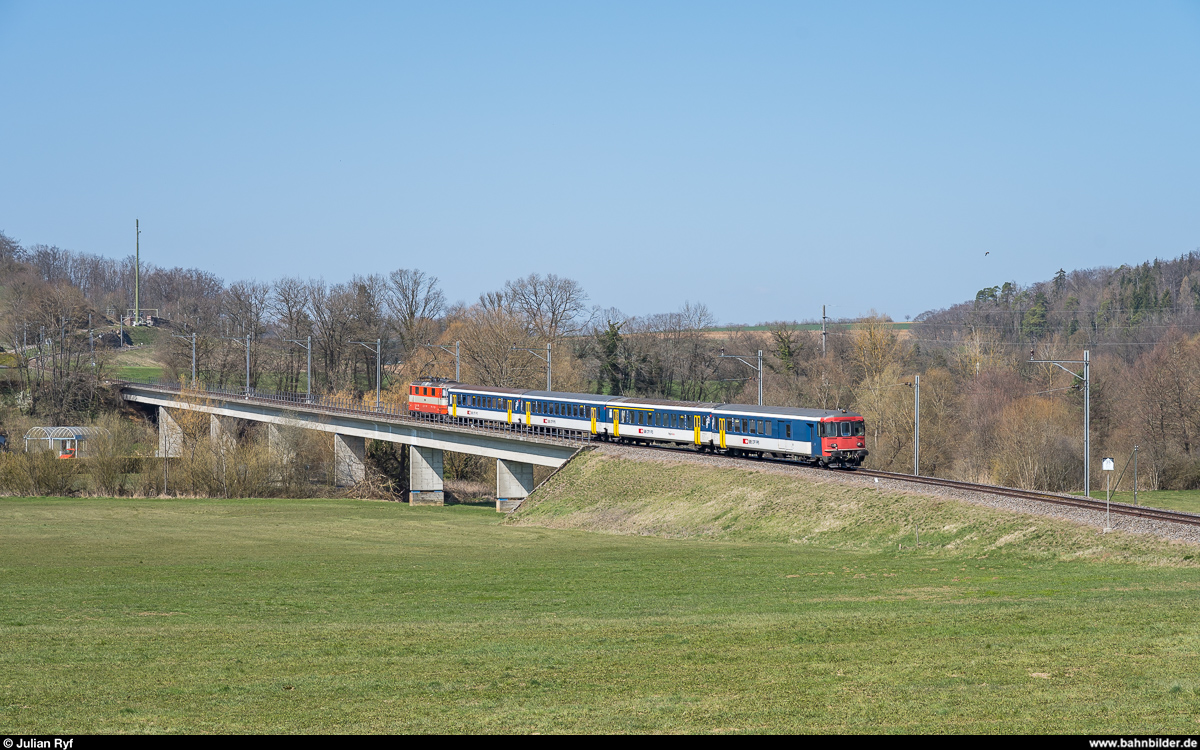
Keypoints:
(416, 303)
(552, 305)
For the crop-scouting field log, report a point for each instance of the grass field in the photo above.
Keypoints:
(353, 616)
(138, 373)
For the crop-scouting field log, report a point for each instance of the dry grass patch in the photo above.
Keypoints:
(602, 493)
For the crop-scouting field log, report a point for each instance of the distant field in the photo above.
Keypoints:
(137, 373)
(350, 616)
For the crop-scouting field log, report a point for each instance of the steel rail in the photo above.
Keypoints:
(1138, 511)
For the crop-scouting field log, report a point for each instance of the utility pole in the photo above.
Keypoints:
(823, 319)
(916, 425)
(247, 340)
(545, 359)
(457, 376)
(1087, 408)
(308, 373)
(757, 369)
(1135, 497)
(378, 369)
(91, 341)
(137, 273)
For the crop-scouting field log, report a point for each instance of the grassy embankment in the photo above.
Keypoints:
(781, 606)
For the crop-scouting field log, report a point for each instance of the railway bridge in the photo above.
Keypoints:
(516, 448)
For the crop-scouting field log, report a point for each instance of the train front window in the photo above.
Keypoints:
(845, 429)
(860, 429)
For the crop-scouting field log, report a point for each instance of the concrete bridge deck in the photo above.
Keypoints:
(517, 448)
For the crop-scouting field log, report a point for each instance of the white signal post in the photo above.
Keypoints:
(1108, 469)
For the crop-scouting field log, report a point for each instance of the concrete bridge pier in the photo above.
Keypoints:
(222, 431)
(425, 476)
(170, 436)
(514, 482)
(349, 455)
(281, 451)
(275, 444)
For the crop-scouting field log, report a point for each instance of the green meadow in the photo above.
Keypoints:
(759, 604)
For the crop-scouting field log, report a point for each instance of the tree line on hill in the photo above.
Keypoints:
(987, 414)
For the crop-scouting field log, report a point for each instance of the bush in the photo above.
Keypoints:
(37, 473)
(1181, 473)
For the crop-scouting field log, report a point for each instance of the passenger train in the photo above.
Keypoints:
(826, 437)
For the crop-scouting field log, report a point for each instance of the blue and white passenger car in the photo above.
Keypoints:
(819, 436)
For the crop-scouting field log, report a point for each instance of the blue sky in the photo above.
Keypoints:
(763, 158)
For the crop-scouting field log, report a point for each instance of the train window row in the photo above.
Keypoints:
(843, 429)
(748, 426)
(551, 408)
(656, 419)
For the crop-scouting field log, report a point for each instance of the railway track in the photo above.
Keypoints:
(1124, 509)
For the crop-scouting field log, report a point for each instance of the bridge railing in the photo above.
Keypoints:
(344, 405)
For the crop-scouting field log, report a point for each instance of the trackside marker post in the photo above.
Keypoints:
(1108, 468)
